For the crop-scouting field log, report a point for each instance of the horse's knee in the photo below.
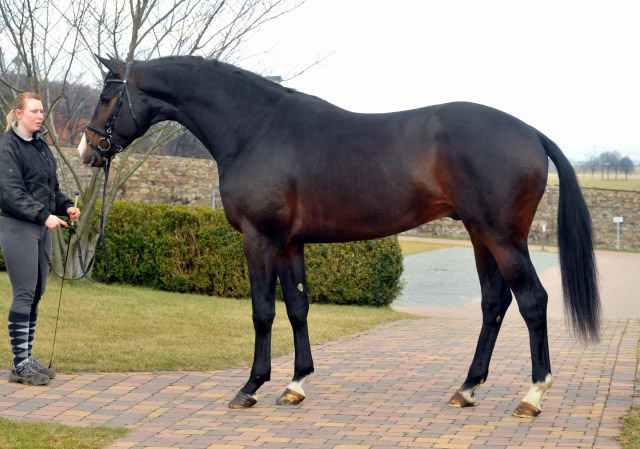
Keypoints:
(263, 319)
(298, 314)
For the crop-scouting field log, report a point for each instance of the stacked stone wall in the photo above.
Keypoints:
(160, 179)
(603, 206)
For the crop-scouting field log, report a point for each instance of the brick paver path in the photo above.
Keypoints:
(386, 388)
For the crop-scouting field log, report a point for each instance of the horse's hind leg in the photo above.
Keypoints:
(516, 267)
(496, 298)
(294, 287)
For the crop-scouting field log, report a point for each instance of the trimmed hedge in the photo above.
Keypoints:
(194, 249)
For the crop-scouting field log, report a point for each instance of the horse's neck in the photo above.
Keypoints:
(218, 116)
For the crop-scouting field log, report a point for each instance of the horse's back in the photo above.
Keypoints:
(355, 176)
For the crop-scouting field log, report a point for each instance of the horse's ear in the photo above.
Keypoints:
(112, 64)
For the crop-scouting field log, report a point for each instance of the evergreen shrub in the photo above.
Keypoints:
(194, 249)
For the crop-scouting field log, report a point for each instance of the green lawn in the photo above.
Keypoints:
(122, 328)
(409, 247)
(31, 435)
(633, 183)
(630, 435)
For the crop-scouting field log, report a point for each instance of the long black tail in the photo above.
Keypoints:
(575, 240)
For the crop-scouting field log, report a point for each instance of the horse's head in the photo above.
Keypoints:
(119, 117)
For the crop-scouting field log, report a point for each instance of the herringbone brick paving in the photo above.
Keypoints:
(386, 388)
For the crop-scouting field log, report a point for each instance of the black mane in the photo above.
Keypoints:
(197, 62)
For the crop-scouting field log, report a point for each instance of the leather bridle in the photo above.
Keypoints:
(107, 146)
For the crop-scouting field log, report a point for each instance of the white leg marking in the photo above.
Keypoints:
(297, 386)
(469, 394)
(300, 287)
(537, 390)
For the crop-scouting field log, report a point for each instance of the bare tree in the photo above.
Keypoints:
(55, 40)
(626, 165)
(41, 57)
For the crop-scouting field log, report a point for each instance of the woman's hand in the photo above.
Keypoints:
(54, 222)
(73, 213)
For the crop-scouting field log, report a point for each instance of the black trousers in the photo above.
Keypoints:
(25, 247)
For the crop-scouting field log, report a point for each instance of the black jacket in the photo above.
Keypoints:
(29, 187)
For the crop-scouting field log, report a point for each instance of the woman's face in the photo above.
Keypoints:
(30, 117)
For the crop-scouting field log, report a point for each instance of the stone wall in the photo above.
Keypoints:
(161, 179)
(603, 205)
(180, 180)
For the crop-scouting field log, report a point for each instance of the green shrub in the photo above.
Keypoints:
(194, 249)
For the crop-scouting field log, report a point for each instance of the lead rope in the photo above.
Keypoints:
(64, 270)
(85, 272)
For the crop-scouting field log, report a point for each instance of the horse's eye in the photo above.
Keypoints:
(104, 100)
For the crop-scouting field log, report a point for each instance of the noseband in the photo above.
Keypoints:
(107, 146)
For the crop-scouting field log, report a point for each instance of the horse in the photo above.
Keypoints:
(295, 169)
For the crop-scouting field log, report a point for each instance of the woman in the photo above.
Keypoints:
(30, 200)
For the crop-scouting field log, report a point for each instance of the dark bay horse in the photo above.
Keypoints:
(295, 169)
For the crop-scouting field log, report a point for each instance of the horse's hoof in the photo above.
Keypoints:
(458, 400)
(290, 397)
(243, 400)
(526, 410)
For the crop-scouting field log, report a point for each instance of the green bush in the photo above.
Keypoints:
(194, 249)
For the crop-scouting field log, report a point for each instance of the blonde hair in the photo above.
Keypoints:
(19, 103)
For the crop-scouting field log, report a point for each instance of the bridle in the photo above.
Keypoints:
(107, 146)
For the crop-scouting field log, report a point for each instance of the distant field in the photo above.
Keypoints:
(632, 183)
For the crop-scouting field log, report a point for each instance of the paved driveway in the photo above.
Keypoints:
(386, 388)
(448, 277)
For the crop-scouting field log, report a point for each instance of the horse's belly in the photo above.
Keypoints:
(354, 222)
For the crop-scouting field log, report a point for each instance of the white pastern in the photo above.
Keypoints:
(297, 386)
(537, 390)
(82, 147)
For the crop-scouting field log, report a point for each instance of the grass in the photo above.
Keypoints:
(116, 328)
(31, 435)
(633, 183)
(630, 434)
(409, 247)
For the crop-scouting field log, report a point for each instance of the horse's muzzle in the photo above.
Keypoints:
(92, 159)
(82, 148)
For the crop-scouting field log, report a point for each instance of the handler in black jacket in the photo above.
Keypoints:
(30, 199)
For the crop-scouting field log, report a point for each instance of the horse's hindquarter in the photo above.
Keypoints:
(493, 166)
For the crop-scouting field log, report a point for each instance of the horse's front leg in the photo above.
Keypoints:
(262, 259)
(291, 272)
